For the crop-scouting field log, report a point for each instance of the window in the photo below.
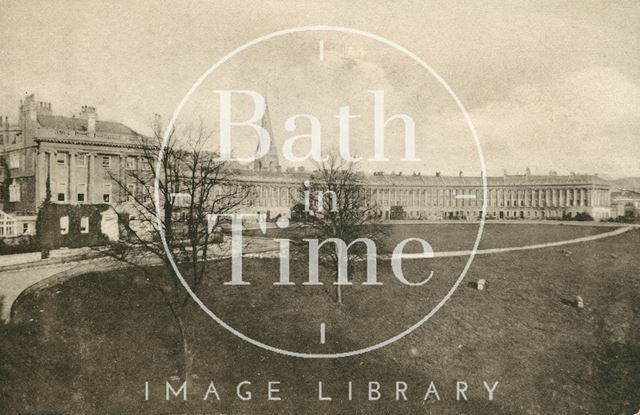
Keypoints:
(106, 193)
(64, 225)
(106, 161)
(84, 224)
(14, 160)
(81, 160)
(14, 192)
(7, 225)
(25, 228)
(82, 190)
(61, 159)
(131, 163)
(146, 164)
(62, 192)
(131, 191)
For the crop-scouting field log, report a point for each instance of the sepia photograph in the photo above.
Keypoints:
(337, 207)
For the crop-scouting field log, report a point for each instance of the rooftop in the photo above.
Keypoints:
(59, 122)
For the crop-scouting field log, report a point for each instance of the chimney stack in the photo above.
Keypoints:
(157, 124)
(91, 115)
(91, 124)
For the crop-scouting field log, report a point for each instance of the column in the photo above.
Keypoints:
(41, 183)
(560, 198)
(519, 197)
(122, 165)
(72, 182)
(53, 185)
(89, 160)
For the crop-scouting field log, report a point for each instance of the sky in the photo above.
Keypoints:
(549, 85)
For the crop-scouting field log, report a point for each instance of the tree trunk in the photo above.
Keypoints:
(338, 290)
(187, 351)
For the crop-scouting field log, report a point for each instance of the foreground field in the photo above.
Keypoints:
(88, 346)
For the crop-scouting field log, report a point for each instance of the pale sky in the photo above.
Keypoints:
(549, 85)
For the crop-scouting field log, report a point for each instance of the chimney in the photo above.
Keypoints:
(91, 124)
(504, 172)
(157, 124)
(91, 115)
(30, 107)
(528, 171)
(460, 173)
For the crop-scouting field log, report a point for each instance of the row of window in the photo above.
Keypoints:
(82, 191)
(106, 193)
(64, 225)
(474, 198)
(105, 161)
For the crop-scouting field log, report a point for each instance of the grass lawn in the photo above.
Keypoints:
(87, 346)
(462, 236)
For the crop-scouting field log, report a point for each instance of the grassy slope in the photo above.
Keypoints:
(86, 347)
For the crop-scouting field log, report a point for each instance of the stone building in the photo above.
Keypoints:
(67, 160)
(440, 197)
(73, 160)
(625, 203)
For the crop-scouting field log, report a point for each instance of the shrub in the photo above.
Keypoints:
(19, 245)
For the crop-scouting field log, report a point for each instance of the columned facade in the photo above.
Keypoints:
(440, 197)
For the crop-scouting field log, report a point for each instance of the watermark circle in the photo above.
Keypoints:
(281, 33)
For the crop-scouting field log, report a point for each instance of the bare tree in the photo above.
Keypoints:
(192, 184)
(338, 208)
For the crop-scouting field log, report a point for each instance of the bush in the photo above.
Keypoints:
(583, 216)
(19, 245)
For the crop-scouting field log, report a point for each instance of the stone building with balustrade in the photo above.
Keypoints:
(439, 197)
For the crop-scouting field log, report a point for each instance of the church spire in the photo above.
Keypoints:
(270, 161)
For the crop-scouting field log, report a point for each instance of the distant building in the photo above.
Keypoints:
(73, 160)
(625, 203)
(441, 197)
